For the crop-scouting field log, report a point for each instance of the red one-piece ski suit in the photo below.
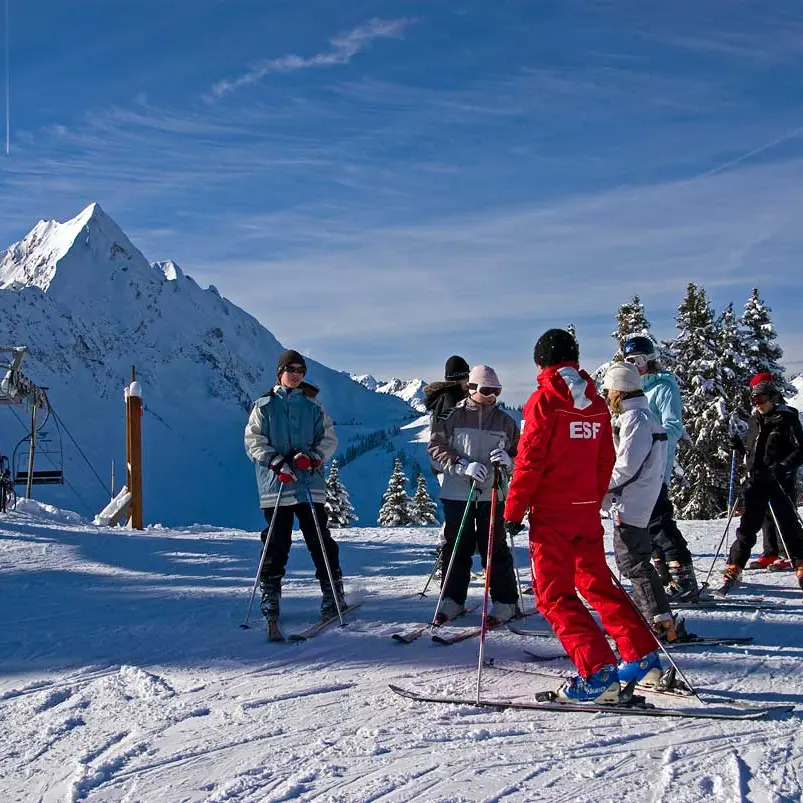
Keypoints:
(565, 459)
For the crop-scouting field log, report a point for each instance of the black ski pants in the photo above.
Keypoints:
(278, 550)
(632, 548)
(475, 535)
(757, 496)
(668, 543)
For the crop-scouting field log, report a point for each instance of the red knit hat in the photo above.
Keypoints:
(761, 384)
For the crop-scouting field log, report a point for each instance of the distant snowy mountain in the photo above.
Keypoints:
(89, 305)
(411, 390)
(798, 397)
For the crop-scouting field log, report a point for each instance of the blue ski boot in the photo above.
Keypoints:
(647, 671)
(602, 687)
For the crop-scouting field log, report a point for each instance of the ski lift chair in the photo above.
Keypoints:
(45, 450)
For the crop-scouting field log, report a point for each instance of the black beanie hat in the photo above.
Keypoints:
(456, 368)
(289, 357)
(555, 346)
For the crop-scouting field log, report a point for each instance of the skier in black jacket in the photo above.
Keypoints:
(773, 452)
(442, 396)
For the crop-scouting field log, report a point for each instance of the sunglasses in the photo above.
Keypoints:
(485, 391)
(295, 369)
(639, 360)
(759, 399)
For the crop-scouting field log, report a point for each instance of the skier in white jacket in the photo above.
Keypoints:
(641, 446)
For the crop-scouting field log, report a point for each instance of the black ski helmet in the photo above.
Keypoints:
(639, 344)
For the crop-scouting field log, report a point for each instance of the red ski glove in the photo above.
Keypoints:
(304, 461)
(283, 472)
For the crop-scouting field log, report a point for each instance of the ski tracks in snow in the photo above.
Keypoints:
(188, 707)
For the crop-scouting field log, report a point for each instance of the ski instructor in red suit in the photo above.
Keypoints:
(565, 459)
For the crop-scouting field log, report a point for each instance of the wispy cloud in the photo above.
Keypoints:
(344, 48)
(494, 281)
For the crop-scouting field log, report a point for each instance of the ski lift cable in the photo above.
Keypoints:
(50, 460)
(61, 425)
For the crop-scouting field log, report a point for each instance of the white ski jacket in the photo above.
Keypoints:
(641, 448)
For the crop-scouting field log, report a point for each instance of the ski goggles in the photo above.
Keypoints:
(294, 369)
(759, 399)
(485, 391)
(639, 360)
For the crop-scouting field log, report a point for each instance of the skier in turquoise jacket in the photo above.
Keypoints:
(670, 551)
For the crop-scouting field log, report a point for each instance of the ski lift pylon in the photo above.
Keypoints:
(16, 388)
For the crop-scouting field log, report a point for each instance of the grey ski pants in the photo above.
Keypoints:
(632, 548)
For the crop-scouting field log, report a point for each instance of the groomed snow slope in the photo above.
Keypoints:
(124, 676)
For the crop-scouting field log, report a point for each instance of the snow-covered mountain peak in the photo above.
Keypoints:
(73, 257)
(88, 305)
(410, 390)
(171, 270)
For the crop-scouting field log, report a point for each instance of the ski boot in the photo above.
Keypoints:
(601, 687)
(763, 562)
(662, 569)
(730, 578)
(329, 605)
(670, 629)
(799, 573)
(780, 565)
(274, 631)
(683, 586)
(271, 596)
(448, 610)
(647, 671)
(502, 612)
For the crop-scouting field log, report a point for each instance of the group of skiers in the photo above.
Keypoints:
(575, 456)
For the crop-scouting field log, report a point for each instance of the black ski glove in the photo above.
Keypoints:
(780, 471)
(513, 527)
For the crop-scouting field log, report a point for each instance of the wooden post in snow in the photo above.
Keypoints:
(133, 442)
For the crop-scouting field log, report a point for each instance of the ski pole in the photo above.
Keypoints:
(432, 573)
(323, 547)
(489, 552)
(732, 479)
(657, 640)
(791, 502)
(505, 485)
(721, 542)
(445, 580)
(780, 532)
(273, 518)
(733, 476)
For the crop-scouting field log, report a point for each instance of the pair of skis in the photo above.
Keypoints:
(635, 705)
(275, 633)
(728, 604)
(691, 641)
(415, 632)
(445, 635)
(632, 704)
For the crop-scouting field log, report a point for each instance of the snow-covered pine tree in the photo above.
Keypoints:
(395, 510)
(734, 369)
(759, 336)
(706, 458)
(338, 504)
(423, 510)
(631, 320)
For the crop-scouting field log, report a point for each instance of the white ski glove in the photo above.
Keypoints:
(459, 466)
(502, 458)
(477, 472)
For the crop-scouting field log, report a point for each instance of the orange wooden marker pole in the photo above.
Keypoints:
(133, 405)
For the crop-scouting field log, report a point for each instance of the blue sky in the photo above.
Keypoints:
(384, 184)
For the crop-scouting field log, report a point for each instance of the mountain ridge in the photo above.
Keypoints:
(89, 305)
